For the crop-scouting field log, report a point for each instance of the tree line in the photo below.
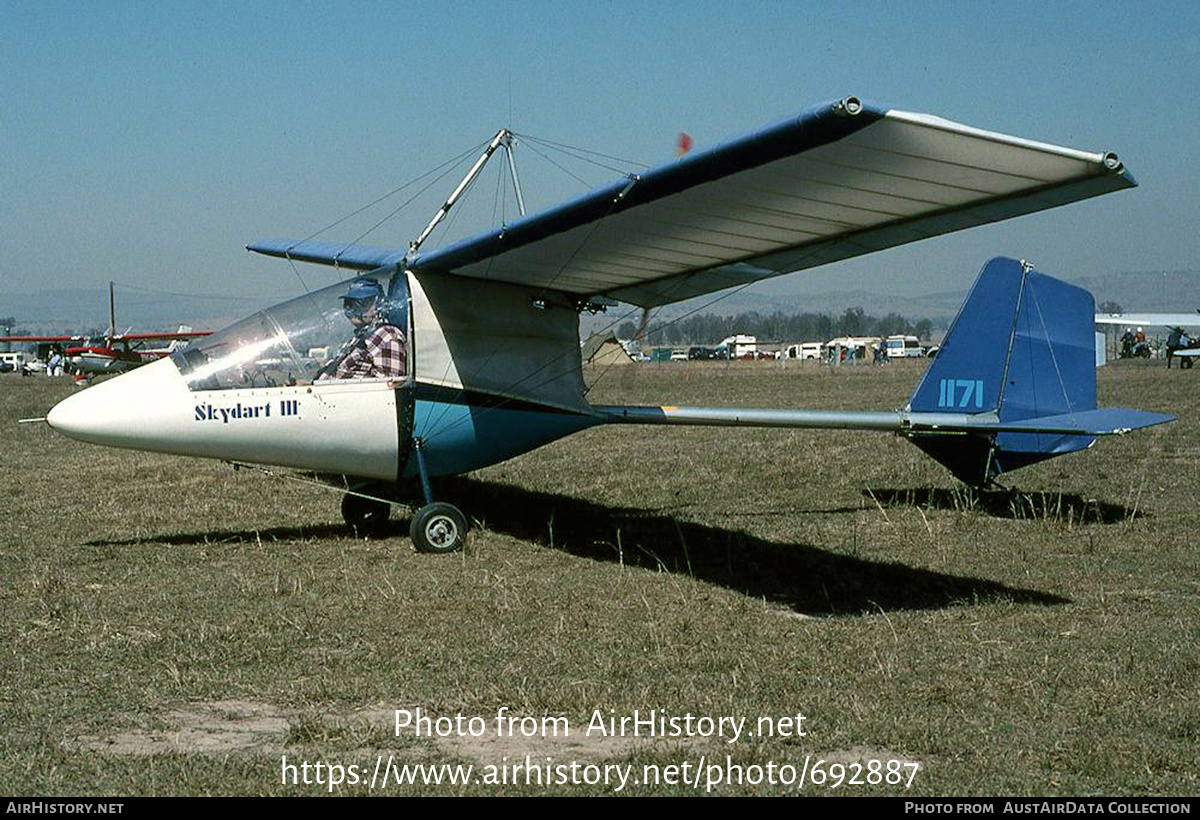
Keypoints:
(710, 328)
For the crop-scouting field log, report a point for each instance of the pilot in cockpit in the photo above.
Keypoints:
(378, 349)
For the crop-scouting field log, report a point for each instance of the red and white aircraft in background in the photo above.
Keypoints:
(112, 352)
(124, 351)
(88, 357)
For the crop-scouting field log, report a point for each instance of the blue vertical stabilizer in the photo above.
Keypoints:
(1022, 348)
(1013, 384)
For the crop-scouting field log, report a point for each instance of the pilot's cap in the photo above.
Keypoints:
(364, 293)
(363, 288)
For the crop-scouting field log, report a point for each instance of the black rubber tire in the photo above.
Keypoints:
(439, 528)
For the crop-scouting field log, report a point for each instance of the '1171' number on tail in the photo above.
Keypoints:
(961, 393)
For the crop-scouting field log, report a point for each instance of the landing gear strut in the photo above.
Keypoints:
(438, 526)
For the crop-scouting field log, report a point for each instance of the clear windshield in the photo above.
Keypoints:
(286, 344)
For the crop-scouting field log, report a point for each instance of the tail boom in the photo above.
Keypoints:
(1107, 421)
(1013, 384)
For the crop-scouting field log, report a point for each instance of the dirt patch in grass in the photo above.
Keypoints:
(216, 727)
(230, 726)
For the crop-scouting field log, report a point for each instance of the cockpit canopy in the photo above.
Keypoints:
(288, 343)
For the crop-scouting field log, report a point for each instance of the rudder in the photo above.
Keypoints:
(1021, 347)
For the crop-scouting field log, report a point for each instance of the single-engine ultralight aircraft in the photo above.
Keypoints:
(490, 366)
(121, 352)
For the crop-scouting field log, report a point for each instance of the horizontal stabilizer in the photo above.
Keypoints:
(1103, 421)
(1020, 357)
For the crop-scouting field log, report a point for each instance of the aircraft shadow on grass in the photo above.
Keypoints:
(266, 534)
(800, 577)
(803, 578)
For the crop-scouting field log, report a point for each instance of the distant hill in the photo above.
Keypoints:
(1147, 292)
(55, 311)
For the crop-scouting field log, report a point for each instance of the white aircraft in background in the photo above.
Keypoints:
(1179, 342)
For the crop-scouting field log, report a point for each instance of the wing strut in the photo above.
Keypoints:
(503, 139)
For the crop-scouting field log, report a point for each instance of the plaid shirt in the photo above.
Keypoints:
(380, 354)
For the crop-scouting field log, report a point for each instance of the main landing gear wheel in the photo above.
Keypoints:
(438, 527)
(365, 516)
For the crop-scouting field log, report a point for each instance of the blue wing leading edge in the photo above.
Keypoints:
(836, 181)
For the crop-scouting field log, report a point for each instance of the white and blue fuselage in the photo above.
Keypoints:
(494, 371)
(491, 374)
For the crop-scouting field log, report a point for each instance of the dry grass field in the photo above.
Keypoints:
(173, 626)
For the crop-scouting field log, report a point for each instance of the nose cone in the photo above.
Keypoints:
(136, 410)
(346, 427)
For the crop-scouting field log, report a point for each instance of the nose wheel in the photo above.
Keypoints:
(438, 527)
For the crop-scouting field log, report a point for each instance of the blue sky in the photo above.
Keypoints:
(149, 142)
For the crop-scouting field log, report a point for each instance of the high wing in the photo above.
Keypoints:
(840, 180)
